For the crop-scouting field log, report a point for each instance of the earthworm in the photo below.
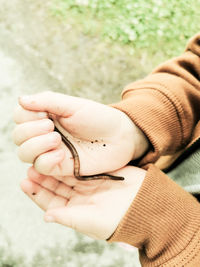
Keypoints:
(77, 163)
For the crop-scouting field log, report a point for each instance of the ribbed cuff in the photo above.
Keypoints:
(158, 112)
(151, 111)
(162, 221)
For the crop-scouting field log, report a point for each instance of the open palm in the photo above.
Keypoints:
(94, 208)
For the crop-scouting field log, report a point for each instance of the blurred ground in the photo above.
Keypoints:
(38, 52)
(20, 219)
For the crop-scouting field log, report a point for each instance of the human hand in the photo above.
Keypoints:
(104, 137)
(94, 208)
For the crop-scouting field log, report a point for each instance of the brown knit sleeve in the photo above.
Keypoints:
(163, 222)
(165, 105)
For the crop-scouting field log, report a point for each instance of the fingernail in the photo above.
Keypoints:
(49, 218)
(25, 98)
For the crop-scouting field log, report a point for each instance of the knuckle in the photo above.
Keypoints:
(41, 165)
(23, 155)
(15, 136)
(17, 114)
(19, 134)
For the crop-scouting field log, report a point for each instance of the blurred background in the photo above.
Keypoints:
(87, 48)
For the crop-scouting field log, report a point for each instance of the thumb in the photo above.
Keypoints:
(68, 216)
(79, 218)
(51, 102)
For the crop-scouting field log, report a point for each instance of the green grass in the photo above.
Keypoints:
(152, 25)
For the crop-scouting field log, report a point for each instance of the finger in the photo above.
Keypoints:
(71, 216)
(30, 129)
(50, 163)
(48, 182)
(44, 198)
(56, 163)
(22, 115)
(35, 146)
(51, 183)
(51, 102)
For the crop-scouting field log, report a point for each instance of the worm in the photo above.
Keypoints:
(77, 163)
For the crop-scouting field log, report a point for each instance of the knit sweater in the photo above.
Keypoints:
(164, 219)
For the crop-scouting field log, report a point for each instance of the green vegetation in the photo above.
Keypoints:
(151, 25)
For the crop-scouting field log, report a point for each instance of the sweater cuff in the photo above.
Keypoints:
(161, 222)
(158, 113)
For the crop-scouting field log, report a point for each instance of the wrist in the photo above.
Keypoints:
(142, 143)
(138, 141)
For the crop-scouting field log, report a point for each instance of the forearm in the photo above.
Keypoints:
(165, 105)
(163, 222)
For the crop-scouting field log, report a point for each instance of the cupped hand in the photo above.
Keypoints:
(104, 137)
(94, 208)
